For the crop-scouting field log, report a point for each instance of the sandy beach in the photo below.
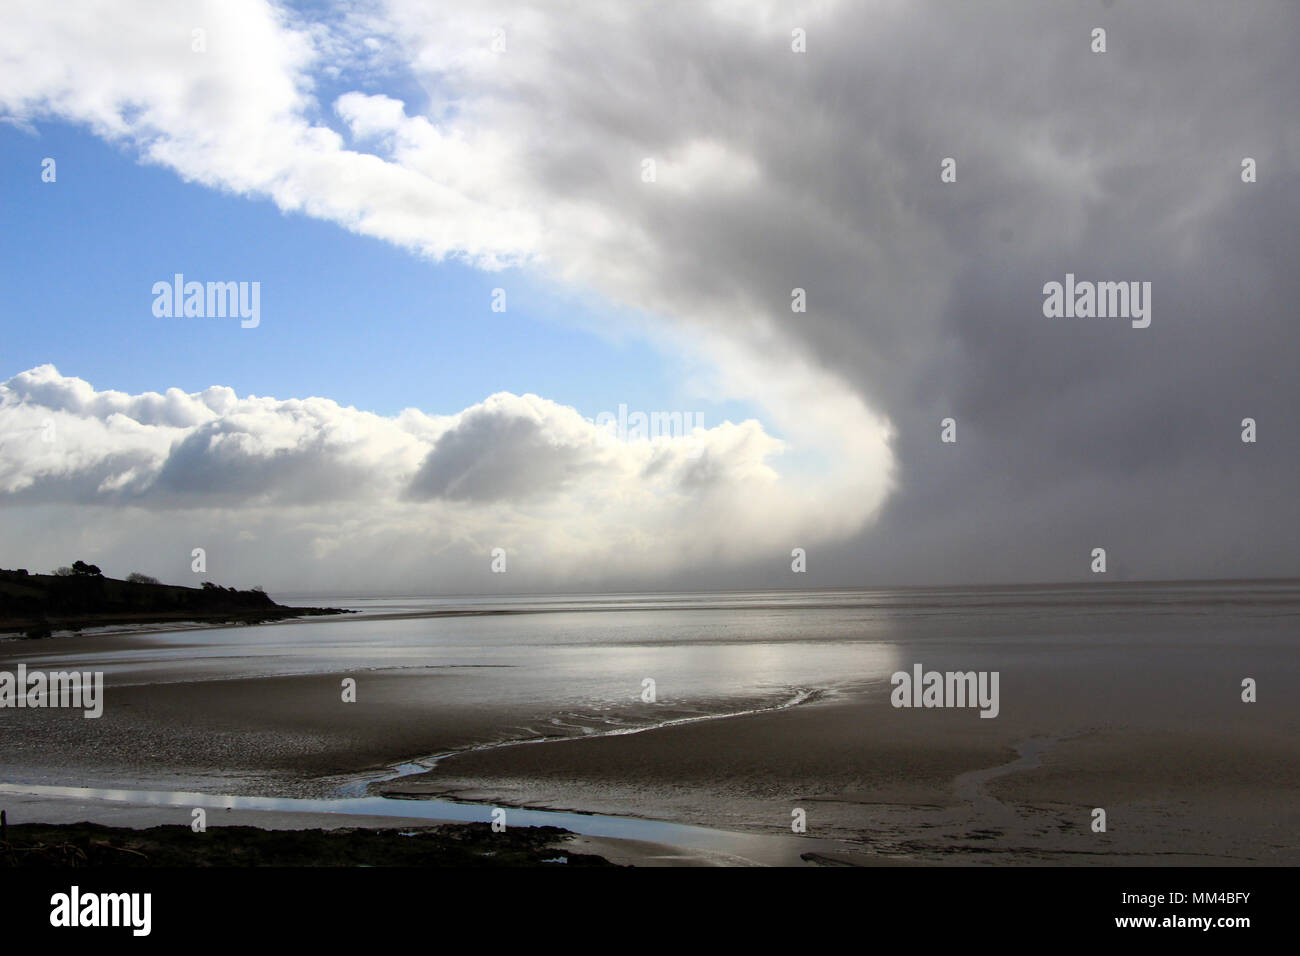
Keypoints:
(937, 786)
(542, 713)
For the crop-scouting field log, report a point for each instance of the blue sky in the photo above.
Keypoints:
(347, 317)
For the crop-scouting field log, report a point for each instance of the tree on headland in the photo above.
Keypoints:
(64, 572)
(135, 577)
(86, 570)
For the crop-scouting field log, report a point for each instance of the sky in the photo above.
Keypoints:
(793, 240)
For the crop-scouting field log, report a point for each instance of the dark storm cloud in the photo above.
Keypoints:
(1115, 166)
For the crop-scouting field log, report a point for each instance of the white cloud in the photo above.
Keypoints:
(516, 158)
(324, 482)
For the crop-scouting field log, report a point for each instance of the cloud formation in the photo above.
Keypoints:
(263, 476)
(525, 145)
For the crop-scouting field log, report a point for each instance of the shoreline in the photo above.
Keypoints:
(621, 840)
(80, 597)
(1139, 713)
(113, 625)
(989, 801)
(10, 629)
(102, 846)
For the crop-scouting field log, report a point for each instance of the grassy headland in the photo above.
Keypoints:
(35, 605)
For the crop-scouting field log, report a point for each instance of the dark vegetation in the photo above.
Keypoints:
(473, 844)
(80, 596)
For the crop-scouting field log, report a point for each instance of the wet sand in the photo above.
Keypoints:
(1146, 723)
(282, 735)
(879, 785)
(1181, 781)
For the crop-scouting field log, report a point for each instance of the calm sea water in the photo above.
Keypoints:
(579, 656)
